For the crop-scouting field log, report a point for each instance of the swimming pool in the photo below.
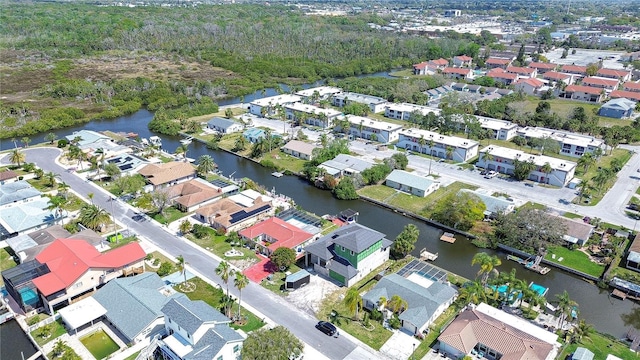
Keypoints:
(541, 290)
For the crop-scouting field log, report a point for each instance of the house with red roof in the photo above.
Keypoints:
(574, 69)
(523, 71)
(462, 61)
(458, 73)
(598, 82)
(424, 68)
(584, 93)
(495, 62)
(622, 75)
(500, 75)
(631, 86)
(274, 233)
(530, 86)
(631, 95)
(439, 63)
(543, 67)
(68, 269)
(556, 77)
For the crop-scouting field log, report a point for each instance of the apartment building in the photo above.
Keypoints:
(443, 146)
(376, 104)
(370, 129)
(312, 115)
(403, 111)
(571, 144)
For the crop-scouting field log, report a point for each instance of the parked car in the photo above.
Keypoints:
(484, 172)
(634, 207)
(327, 328)
(491, 174)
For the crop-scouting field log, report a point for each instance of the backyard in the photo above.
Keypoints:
(276, 284)
(574, 259)
(46, 333)
(601, 346)
(6, 261)
(99, 344)
(218, 245)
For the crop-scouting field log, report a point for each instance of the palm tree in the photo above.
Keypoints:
(182, 267)
(566, 308)
(546, 169)
(473, 292)
(422, 141)
(100, 152)
(586, 161)
(93, 217)
(51, 178)
(581, 330)
(602, 178)
(57, 203)
(63, 189)
(397, 304)
(17, 157)
(225, 271)
(449, 152)
(487, 265)
(26, 140)
(240, 282)
(51, 137)
(39, 173)
(353, 301)
(206, 164)
(240, 144)
(185, 227)
(586, 189)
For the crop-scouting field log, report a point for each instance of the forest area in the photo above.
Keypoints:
(64, 64)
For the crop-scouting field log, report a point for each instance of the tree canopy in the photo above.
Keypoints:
(528, 230)
(405, 241)
(283, 257)
(459, 210)
(271, 344)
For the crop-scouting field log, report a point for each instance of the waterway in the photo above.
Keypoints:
(607, 314)
(14, 343)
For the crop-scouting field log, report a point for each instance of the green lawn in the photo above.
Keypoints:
(625, 274)
(564, 109)
(57, 329)
(532, 205)
(572, 215)
(217, 245)
(276, 284)
(160, 257)
(170, 215)
(601, 346)
(377, 192)
(575, 259)
(42, 184)
(75, 203)
(604, 162)
(99, 344)
(133, 356)
(121, 241)
(6, 261)
(423, 206)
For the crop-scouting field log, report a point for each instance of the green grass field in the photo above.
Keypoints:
(99, 344)
(574, 259)
(564, 109)
(56, 329)
(601, 346)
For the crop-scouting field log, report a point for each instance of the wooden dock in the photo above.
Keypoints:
(425, 255)
(618, 294)
(448, 237)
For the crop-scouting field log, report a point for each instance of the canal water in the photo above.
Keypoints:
(608, 315)
(14, 343)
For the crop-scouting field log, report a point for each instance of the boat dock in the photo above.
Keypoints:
(425, 255)
(618, 294)
(277, 174)
(448, 237)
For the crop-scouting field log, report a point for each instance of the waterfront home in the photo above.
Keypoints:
(411, 183)
(23, 209)
(403, 111)
(369, 129)
(633, 256)
(224, 126)
(424, 68)
(494, 204)
(583, 93)
(192, 194)
(618, 108)
(621, 75)
(195, 330)
(487, 332)
(530, 86)
(345, 165)
(503, 160)
(312, 95)
(237, 211)
(127, 163)
(443, 146)
(66, 270)
(133, 305)
(300, 149)
(426, 299)
(167, 174)
(348, 254)
(375, 104)
(254, 135)
(312, 115)
(576, 231)
(273, 233)
(571, 144)
(91, 141)
(267, 106)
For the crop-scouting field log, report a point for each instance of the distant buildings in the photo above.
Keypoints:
(403, 111)
(571, 144)
(267, 106)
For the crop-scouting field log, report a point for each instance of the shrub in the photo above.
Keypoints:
(165, 269)
(199, 231)
(62, 143)
(394, 322)
(376, 315)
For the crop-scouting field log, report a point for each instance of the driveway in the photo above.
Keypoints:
(276, 308)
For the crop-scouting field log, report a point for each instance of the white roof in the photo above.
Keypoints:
(495, 124)
(82, 312)
(438, 138)
(277, 100)
(406, 107)
(360, 98)
(322, 91)
(518, 323)
(248, 197)
(310, 109)
(560, 136)
(179, 347)
(374, 124)
(540, 160)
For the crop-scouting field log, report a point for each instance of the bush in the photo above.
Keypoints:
(165, 269)
(268, 164)
(394, 322)
(62, 143)
(376, 315)
(199, 231)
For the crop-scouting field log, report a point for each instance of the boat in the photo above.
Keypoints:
(186, 141)
(515, 258)
(277, 174)
(155, 141)
(542, 270)
(425, 255)
(448, 237)
(144, 141)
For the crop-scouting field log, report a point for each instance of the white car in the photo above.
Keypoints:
(491, 174)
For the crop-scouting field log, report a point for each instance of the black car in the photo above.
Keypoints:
(327, 328)
(484, 172)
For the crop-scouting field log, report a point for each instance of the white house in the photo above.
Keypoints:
(523, 72)
(571, 144)
(584, 93)
(318, 93)
(376, 104)
(411, 183)
(530, 86)
(270, 103)
(403, 111)
(502, 129)
(312, 115)
(443, 146)
(375, 130)
(345, 164)
(462, 61)
(299, 149)
(503, 160)
(224, 126)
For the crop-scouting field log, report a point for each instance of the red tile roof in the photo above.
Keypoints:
(584, 89)
(501, 74)
(613, 73)
(498, 61)
(461, 71)
(285, 234)
(574, 69)
(539, 65)
(599, 81)
(440, 62)
(420, 66)
(554, 75)
(631, 95)
(632, 86)
(463, 58)
(520, 70)
(69, 259)
(531, 81)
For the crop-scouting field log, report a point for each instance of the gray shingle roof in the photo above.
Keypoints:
(212, 342)
(620, 103)
(355, 237)
(133, 303)
(16, 191)
(221, 123)
(190, 315)
(409, 179)
(494, 204)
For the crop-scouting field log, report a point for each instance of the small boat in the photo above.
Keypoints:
(144, 141)
(448, 237)
(155, 141)
(425, 255)
(277, 174)
(515, 258)
(542, 270)
(132, 135)
(187, 141)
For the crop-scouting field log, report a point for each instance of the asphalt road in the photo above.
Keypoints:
(276, 308)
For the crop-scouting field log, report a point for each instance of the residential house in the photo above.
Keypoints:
(312, 95)
(426, 299)
(501, 76)
(576, 231)
(8, 176)
(299, 149)
(438, 92)
(495, 204)
(633, 256)
(631, 86)
(584, 93)
(495, 62)
(523, 72)
(190, 195)
(530, 86)
(439, 64)
(403, 111)
(493, 334)
(312, 115)
(460, 87)
(369, 129)
(424, 68)
(92, 141)
(196, 331)
(28, 246)
(376, 104)
(345, 165)
(267, 106)
(254, 135)
(602, 83)
(503, 160)
(68, 269)
(224, 126)
(618, 108)
(168, 174)
(443, 146)
(580, 71)
(349, 253)
(474, 89)
(621, 75)
(629, 95)
(237, 211)
(571, 144)
(557, 77)
(543, 68)
(273, 233)
(17, 192)
(134, 305)
(127, 163)
(23, 209)
(582, 354)
(462, 61)
(458, 73)
(502, 129)
(411, 183)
